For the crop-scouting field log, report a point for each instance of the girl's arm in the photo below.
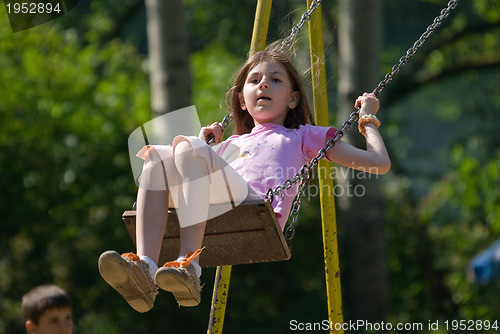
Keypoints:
(374, 159)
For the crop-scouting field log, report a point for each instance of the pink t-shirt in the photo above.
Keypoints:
(272, 154)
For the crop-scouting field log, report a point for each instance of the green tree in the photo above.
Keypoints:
(66, 112)
(439, 204)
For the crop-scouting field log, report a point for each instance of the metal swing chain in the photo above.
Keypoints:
(411, 51)
(225, 122)
(308, 169)
(306, 173)
(296, 29)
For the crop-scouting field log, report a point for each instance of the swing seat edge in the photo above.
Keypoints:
(249, 233)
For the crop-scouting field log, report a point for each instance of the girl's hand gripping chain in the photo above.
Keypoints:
(212, 133)
(368, 104)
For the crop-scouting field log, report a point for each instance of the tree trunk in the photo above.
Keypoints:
(168, 56)
(365, 270)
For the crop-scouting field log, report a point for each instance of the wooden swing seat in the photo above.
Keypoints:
(249, 233)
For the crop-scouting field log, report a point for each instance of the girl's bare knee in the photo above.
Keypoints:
(183, 147)
(188, 162)
(183, 153)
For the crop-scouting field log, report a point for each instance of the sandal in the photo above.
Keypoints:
(130, 276)
(179, 278)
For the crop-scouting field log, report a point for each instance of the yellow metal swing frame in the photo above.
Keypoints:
(328, 216)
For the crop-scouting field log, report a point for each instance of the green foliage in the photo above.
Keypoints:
(488, 9)
(230, 24)
(442, 207)
(462, 214)
(442, 201)
(451, 224)
(212, 70)
(65, 115)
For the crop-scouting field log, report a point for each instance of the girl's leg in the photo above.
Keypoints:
(152, 208)
(192, 208)
(131, 275)
(194, 197)
(191, 238)
(151, 220)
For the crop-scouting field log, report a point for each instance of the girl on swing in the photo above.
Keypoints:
(274, 139)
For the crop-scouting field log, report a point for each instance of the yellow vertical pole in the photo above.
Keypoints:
(329, 223)
(223, 274)
(260, 26)
(219, 299)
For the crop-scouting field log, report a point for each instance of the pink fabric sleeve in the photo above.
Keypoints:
(314, 138)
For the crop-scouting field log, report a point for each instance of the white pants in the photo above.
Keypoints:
(218, 187)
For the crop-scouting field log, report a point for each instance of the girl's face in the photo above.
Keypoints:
(267, 93)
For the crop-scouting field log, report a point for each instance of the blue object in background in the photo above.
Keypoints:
(485, 266)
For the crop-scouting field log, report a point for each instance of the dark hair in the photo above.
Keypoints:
(42, 298)
(301, 114)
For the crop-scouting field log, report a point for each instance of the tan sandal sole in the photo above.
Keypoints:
(120, 276)
(175, 282)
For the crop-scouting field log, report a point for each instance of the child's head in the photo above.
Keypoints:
(47, 310)
(296, 114)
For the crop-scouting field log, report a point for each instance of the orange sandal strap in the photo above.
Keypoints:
(184, 263)
(131, 257)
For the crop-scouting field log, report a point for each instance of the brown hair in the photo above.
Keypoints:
(41, 299)
(243, 122)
